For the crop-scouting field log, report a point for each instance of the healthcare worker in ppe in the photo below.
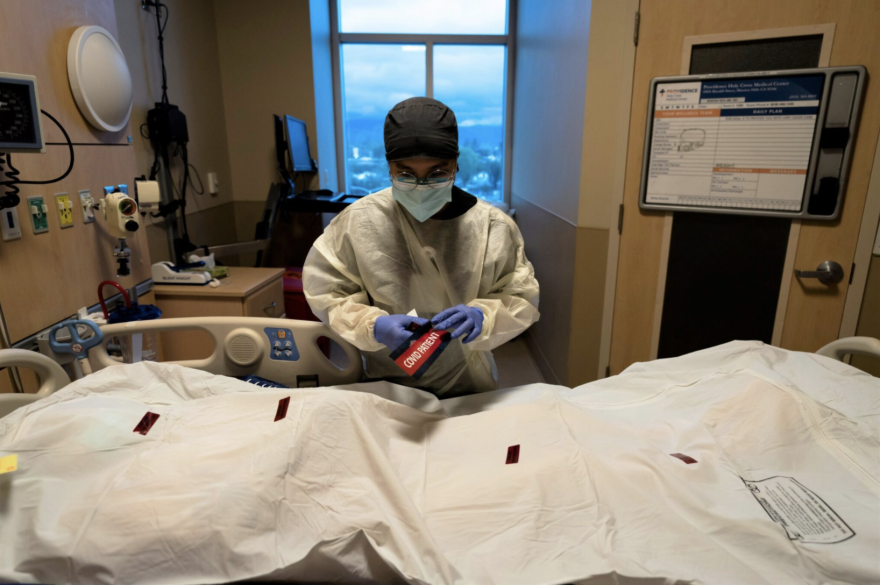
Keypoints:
(426, 246)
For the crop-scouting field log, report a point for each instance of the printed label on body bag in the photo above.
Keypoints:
(804, 515)
(416, 354)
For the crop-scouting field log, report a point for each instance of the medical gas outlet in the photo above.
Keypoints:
(39, 212)
(65, 210)
(87, 203)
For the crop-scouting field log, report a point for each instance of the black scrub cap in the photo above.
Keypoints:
(420, 127)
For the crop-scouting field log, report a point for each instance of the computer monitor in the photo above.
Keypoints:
(300, 156)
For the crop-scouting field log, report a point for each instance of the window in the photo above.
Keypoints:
(457, 51)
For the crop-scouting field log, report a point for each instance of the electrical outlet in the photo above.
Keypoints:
(9, 224)
(65, 210)
(88, 205)
(39, 213)
(213, 184)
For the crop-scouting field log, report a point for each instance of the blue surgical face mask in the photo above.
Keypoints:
(424, 201)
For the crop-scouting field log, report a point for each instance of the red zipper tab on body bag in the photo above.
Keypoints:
(146, 423)
(512, 454)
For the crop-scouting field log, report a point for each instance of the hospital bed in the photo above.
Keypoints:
(738, 464)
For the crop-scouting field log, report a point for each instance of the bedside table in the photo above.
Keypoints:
(246, 292)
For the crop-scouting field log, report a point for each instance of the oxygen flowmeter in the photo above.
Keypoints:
(120, 212)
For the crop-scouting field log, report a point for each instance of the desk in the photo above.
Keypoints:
(246, 292)
(313, 203)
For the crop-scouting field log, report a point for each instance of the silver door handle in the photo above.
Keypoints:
(268, 307)
(829, 272)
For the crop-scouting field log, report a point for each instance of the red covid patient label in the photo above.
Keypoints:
(421, 350)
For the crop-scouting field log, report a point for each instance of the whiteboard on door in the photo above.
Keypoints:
(767, 143)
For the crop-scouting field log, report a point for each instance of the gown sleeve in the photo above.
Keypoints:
(510, 304)
(337, 295)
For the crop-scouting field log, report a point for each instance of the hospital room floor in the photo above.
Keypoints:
(516, 366)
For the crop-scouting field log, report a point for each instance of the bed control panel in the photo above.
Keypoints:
(281, 344)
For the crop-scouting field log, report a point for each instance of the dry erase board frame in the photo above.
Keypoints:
(829, 151)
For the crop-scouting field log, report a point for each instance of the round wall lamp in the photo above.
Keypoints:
(99, 78)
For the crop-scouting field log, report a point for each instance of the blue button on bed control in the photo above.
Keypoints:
(281, 338)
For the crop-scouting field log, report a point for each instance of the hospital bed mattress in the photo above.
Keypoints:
(739, 464)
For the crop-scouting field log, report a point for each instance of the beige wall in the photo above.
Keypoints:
(591, 251)
(610, 63)
(609, 67)
(550, 246)
(548, 118)
(193, 68)
(869, 319)
(565, 202)
(213, 226)
(551, 53)
(266, 67)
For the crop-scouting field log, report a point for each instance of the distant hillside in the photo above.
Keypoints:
(366, 131)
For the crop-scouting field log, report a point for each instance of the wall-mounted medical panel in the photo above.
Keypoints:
(771, 143)
(74, 260)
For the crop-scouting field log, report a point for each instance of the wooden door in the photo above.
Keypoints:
(809, 314)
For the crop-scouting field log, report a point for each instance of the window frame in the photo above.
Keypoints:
(508, 40)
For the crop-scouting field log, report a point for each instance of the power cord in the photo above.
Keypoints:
(184, 155)
(11, 198)
(201, 189)
(182, 244)
(160, 24)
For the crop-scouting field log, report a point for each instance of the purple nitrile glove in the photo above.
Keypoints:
(466, 320)
(391, 330)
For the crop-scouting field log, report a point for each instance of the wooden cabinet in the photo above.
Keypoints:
(246, 292)
(266, 302)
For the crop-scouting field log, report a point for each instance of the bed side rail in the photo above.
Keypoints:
(851, 345)
(281, 350)
(52, 376)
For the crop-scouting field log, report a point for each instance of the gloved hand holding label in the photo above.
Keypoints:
(422, 349)
(391, 330)
(465, 320)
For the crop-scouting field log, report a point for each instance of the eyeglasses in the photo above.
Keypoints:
(408, 182)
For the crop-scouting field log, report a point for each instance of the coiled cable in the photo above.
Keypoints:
(11, 198)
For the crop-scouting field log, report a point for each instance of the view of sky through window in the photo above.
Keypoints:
(459, 17)
(375, 77)
(470, 79)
